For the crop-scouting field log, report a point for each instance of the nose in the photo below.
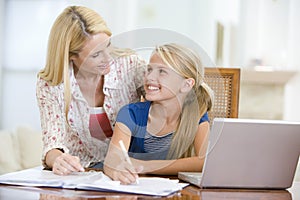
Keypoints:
(150, 75)
(106, 57)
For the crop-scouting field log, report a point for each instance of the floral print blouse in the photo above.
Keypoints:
(121, 86)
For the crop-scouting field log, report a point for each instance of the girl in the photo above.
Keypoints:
(167, 133)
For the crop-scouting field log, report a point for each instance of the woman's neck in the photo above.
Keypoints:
(91, 88)
(86, 76)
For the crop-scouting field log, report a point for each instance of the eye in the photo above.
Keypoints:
(149, 69)
(109, 44)
(162, 71)
(95, 55)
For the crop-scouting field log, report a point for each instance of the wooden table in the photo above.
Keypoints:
(190, 192)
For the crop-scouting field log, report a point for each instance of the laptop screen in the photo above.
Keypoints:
(248, 153)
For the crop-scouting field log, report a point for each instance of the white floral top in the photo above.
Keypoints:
(121, 86)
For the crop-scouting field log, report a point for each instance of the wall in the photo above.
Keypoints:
(264, 32)
(22, 63)
(270, 38)
(292, 95)
(26, 28)
(253, 29)
(1, 53)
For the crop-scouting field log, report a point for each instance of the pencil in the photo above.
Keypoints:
(124, 151)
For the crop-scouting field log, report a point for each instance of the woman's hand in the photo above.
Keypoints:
(63, 163)
(66, 164)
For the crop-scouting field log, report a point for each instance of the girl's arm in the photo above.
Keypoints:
(118, 169)
(115, 164)
(195, 163)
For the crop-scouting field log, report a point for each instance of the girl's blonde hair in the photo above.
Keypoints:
(71, 29)
(197, 102)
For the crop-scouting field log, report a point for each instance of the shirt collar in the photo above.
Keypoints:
(111, 80)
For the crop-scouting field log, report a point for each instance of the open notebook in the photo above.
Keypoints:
(244, 153)
(97, 181)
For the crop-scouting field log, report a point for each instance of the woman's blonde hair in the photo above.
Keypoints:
(70, 31)
(197, 102)
(68, 35)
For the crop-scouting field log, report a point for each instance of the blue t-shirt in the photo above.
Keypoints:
(144, 145)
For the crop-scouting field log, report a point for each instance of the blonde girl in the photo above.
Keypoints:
(167, 133)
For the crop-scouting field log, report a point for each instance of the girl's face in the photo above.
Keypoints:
(95, 56)
(161, 82)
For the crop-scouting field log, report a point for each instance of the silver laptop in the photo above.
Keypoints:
(248, 153)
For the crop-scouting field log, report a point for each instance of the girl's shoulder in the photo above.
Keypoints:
(134, 114)
(139, 106)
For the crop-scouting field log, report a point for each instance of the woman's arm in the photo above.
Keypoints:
(53, 129)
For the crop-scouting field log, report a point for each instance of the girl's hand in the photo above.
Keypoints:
(124, 172)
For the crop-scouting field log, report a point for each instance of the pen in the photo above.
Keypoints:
(126, 155)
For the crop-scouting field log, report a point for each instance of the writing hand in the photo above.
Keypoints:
(66, 164)
(125, 173)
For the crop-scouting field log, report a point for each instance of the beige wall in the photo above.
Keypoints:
(261, 101)
(1, 53)
(195, 19)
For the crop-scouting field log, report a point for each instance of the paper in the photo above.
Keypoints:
(147, 185)
(90, 181)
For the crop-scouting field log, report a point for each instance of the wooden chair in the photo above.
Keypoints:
(225, 82)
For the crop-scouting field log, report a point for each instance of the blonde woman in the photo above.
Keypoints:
(80, 90)
(167, 133)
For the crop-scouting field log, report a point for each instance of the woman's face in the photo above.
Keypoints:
(95, 56)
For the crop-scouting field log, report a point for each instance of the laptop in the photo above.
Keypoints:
(249, 153)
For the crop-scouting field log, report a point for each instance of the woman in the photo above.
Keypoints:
(80, 90)
(167, 133)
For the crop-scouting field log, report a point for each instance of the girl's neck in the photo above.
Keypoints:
(162, 119)
(168, 111)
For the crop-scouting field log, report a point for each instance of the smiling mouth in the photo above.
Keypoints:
(152, 88)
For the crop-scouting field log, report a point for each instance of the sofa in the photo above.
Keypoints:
(21, 148)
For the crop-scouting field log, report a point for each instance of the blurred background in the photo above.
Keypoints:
(259, 36)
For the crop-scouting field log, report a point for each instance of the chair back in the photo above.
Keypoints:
(225, 82)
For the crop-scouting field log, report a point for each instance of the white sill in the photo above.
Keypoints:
(280, 77)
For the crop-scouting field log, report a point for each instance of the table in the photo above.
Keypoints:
(190, 192)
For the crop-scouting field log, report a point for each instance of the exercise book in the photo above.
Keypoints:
(92, 180)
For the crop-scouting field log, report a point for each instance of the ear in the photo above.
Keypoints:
(72, 58)
(188, 85)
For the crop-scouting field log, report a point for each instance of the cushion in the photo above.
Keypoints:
(30, 144)
(9, 154)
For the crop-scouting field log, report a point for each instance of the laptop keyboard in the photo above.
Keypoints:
(191, 177)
